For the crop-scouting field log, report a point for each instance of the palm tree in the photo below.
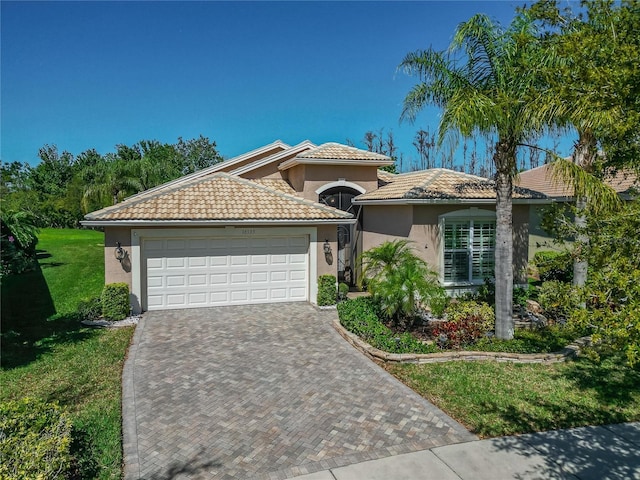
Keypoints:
(486, 84)
(112, 181)
(399, 280)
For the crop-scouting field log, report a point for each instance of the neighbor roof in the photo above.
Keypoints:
(541, 179)
(440, 184)
(219, 197)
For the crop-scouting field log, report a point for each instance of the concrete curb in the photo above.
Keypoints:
(570, 351)
(130, 458)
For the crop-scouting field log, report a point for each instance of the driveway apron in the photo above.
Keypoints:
(262, 392)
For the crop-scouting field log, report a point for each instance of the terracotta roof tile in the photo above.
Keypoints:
(541, 179)
(386, 177)
(219, 196)
(440, 183)
(337, 151)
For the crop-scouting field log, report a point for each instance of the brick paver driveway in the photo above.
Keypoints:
(268, 391)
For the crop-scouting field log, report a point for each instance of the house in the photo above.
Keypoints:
(541, 179)
(261, 227)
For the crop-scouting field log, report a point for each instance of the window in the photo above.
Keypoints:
(468, 250)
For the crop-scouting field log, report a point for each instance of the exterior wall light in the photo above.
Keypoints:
(327, 247)
(119, 252)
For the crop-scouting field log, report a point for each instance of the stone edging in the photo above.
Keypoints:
(567, 352)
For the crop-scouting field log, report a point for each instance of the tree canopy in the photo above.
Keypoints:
(62, 187)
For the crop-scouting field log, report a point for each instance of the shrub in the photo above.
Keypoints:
(439, 304)
(468, 310)
(90, 309)
(558, 299)
(35, 440)
(399, 281)
(360, 317)
(326, 290)
(462, 333)
(553, 265)
(467, 322)
(520, 296)
(343, 290)
(115, 301)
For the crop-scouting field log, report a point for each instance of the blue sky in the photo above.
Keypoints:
(95, 74)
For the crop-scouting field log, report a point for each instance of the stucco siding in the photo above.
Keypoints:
(316, 176)
(382, 223)
(115, 271)
(327, 264)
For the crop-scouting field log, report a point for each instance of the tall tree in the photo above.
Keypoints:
(486, 84)
(598, 76)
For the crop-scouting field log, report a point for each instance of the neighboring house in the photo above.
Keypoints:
(541, 179)
(261, 227)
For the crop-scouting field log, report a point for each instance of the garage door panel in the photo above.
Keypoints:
(197, 272)
(219, 279)
(259, 259)
(176, 281)
(298, 293)
(197, 299)
(278, 276)
(259, 277)
(219, 261)
(240, 277)
(176, 262)
(197, 262)
(197, 280)
(177, 244)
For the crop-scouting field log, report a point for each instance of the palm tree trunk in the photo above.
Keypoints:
(584, 156)
(504, 158)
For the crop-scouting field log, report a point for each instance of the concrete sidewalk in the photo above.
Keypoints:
(598, 453)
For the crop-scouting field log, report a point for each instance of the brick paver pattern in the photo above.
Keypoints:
(262, 392)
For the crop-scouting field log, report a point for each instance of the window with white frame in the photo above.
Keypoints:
(469, 249)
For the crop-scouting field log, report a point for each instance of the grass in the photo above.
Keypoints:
(494, 399)
(47, 354)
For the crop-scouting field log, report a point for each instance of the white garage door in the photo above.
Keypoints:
(202, 272)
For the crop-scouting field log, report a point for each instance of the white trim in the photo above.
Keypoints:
(212, 223)
(333, 161)
(451, 201)
(228, 231)
(299, 148)
(340, 183)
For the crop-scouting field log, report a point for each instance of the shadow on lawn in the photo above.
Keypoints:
(30, 326)
(614, 384)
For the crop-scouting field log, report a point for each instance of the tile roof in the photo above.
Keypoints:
(541, 179)
(219, 196)
(386, 177)
(275, 183)
(441, 183)
(337, 151)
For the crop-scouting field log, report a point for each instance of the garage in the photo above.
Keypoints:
(201, 271)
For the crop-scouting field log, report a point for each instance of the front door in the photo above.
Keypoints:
(348, 235)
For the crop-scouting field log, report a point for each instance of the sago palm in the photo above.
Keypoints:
(486, 84)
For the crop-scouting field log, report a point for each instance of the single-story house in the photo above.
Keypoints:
(541, 180)
(261, 227)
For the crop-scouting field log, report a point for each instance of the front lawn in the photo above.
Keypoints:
(494, 399)
(48, 355)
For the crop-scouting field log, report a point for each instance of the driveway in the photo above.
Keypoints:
(262, 392)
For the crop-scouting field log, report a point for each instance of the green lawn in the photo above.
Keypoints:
(46, 353)
(494, 399)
